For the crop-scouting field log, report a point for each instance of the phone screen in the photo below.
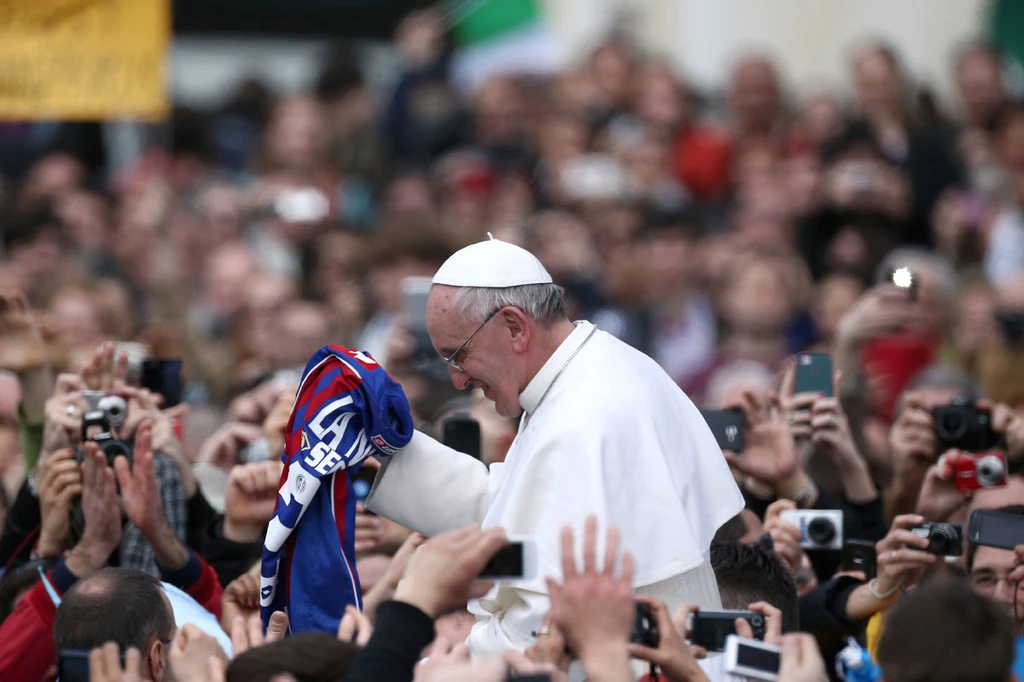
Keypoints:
(163, 376)
(814, 374)
(462, 434)
(507, 563)
(757, 658)
(996, 529)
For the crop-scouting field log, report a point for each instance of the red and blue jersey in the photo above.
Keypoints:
(346, 409)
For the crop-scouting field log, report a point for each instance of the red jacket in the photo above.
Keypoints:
(26, 637)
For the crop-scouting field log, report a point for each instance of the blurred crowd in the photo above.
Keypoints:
(719, 232)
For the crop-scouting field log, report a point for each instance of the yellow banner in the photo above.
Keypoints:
(83, 59)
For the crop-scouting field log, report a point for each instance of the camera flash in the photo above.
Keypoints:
(902, 278)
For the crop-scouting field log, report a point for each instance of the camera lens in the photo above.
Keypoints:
(115, 408)
(941, 539)
(821, 531)
(757, 620)
(952, 426)
(990, 471)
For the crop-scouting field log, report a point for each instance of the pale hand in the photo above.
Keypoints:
(21, 344)
(250, 498)
(901, 559)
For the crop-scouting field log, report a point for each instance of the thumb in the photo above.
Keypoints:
(277, 628)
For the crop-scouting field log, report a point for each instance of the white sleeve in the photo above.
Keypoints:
(430, 488)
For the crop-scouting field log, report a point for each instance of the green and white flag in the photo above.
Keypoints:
(497, 37)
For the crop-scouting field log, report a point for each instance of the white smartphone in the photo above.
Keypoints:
(515, 561)
(752, 659)
(415, 291)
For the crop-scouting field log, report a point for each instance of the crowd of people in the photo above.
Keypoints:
(720, 233)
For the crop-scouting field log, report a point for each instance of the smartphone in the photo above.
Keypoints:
(73, 665)
(362, 483)
(425, 361)
(415, 291)
(813, 374)
(515, 561)
(163, 376)
(751, 659)
(859, 555)
(995, 529)
(710, 629)
(462, 434)
(727, 425)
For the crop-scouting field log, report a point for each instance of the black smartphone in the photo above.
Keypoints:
(645, 627)
(462, 434)
(995, 529)
(859, 555)
(162, 376)
(362, 482)
(709, 629)
(73, 665)
(813, 374)
(727, 425)
(515, 561)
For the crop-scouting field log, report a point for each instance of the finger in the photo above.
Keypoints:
(132, 661)
(120, 369)
(743, 629)
(124, 474)
(589, 545)
(144, 437)
(627, 568)
(786, 388)
(239, 636)
(98, 664)
(365, 629)
(112, 659)
(776, 508)
(277, 627)
(255, 630)
(772, 618)
(347, 627)
(215, 671)
(643, 653)
(907, 520)
(611, 552)
(899, 537)
(568, 554)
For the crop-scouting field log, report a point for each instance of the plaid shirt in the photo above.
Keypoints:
(135, 553)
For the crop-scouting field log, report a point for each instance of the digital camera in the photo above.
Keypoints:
(819, 529)
(944, 539)
(96, 427)
(973, 472)
(961, 425)
(114, 407)
(645, 627)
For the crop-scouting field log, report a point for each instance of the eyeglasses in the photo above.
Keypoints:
(450, 360)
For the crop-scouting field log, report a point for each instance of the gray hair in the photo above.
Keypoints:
(910, 257)
(952, 378)
(545, 303)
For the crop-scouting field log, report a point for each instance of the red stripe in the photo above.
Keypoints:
(340, 501)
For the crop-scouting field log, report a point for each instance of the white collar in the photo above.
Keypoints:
(538, 387)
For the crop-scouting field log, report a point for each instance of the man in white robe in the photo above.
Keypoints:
(604, 431)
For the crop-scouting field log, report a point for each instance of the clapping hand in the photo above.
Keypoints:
(102, 534)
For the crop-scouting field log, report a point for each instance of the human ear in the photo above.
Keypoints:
(518, 328)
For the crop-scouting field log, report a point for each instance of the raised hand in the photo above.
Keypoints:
(105, 372)
(247, 633)
(785, 536)
(442, 571)
(190, 654)
(939, 498)
(61, 483)
(102, 514)
(912, 438)
(770, 454)
(250, 498)
(225, 445)
(21, 344)
(801, 660)
(901, 556)
(594, 608)
(105, 664)
(354, 627)
(241, 598)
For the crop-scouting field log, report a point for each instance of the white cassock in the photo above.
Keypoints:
(605, 431)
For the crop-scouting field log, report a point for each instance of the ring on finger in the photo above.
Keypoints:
(893, 554)
(71, 410)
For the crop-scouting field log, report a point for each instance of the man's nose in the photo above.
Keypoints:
(460, 380)
(1003, 593)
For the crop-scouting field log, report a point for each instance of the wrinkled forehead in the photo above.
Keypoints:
(446, 326)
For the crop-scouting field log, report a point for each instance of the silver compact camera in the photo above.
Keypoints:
(820, 529)
(113, 407)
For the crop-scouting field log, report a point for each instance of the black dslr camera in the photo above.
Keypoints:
(961, 425)
(645, 627)
(98, 425)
